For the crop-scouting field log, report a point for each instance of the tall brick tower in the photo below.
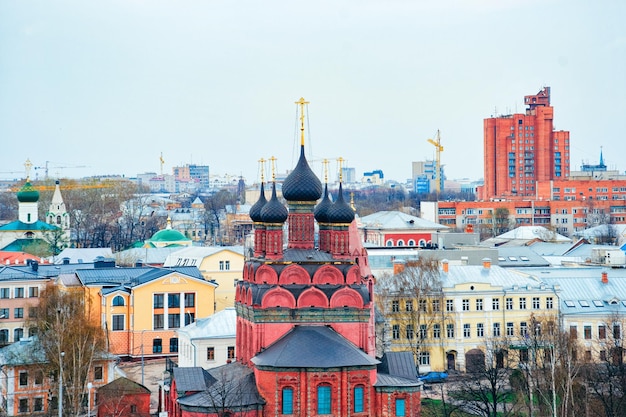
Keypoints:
(521, 149)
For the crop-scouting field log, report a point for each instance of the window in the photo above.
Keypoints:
(19, 292)
(158, 321)
(38, 377)
(33, 292)
(495, 304)
(23, 378)
(423, 331)
(449, 305)
(38, 404)
(496, 329)
(97, 373)
(509, 304)
(410, 332)
(287, 401)
(231, 352)
(118, 322)
(173, 300)
(4, 336)
(509, 329)
(408, 305)
(18, 313)
(133, 408)
(189, 318)
(436, 305)
(479, 304)
(587, 332)
(395, 306)
(395, 332)
(4, 313)
(224, 265)
(23, 405)
(450, 330)
(523, 328)
(210, 353)
(536, 305)
(549, 303)
(436, 331)
(400, 410)
(358, 399)
(174, 344)
(573, 332)
(4, 292)
(190, 299)
(18, 334)
(422, 305)
(467, 329)
(323, 399)
(480, 330)
(173, 321)
(522, 303)
(424, 357)
(158, 300)
(157, 346)
(118, 301)
(616, 332)
(466, 305)
(601, 331)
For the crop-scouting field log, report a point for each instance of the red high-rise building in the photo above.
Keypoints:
(521, 149)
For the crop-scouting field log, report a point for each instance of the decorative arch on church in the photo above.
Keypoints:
(328, 274)
(237, 293)
(249, 297)
(278, 297)
(354, 275)
(294, 274)
(346, 297)
(312, 298)
(266, 275)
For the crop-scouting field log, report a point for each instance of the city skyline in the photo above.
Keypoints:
(112, 86)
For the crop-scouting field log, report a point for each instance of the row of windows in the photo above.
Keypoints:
(325, 401)
(409, 330)
(210, 353)
(173, 300)
(17, 335)
(18, 313)
(18, 292)
(478, 304)
(38, 377)
(601, 334)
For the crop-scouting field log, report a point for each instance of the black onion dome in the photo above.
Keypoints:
(321, 210)
(274, 211)
(302, 184)
(255, 210)
(340, 211)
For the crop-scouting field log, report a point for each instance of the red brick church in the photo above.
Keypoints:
(305, 320)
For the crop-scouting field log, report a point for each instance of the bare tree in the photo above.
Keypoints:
(71, 340)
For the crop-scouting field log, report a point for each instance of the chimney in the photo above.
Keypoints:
(445, 266)
(34, 265)
(605, 277)
(487, 263)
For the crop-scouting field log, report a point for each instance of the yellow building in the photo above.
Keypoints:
(220, 264)
(472, 306)
(142, 308)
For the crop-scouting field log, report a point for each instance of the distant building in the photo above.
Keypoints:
(198, 173)
(523, 148)
(424, 175)
(375, 177)
(208, 342)
(395, 228)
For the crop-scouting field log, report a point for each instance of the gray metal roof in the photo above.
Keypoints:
(519, 257)
(313, 347)
(494, 275)
(192, 379)
(399, 364)
(132, 276)
(222, 324)
(386, 380)
(397, 220)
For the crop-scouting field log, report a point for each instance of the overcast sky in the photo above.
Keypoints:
(110, 85)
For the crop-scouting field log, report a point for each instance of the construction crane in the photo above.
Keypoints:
(57, 167)
(437, 143)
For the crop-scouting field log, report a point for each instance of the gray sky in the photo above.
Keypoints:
(111, 84)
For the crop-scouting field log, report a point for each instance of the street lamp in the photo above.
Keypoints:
(89, 386)
(61, 355)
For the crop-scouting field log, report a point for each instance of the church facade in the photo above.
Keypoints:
(305, 319)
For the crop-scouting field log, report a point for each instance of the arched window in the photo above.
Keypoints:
(358, 399)
(400, 242)
(18, 334)
(389, 243)
(118, 300)
(4, 336)
(323, 399)
(58, 219)
(287, 400)
(411, 242)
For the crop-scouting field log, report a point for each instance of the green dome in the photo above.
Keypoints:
(168, 235)
(28, 194)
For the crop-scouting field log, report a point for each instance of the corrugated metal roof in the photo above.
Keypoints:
(132, 276)
(400, 364)
(222, 324)
(192, 379)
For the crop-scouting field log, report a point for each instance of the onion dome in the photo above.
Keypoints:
(28, 194)
(273, 211)
(302, 184)
(255, 210)
(321, 210)
(340, 211)
(168, 235)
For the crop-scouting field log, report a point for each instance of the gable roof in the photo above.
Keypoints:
(313, 347)
(399, 364)
(124, 386)
(199, 253)
(133, 276)
(192, 379)
(397, 220)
